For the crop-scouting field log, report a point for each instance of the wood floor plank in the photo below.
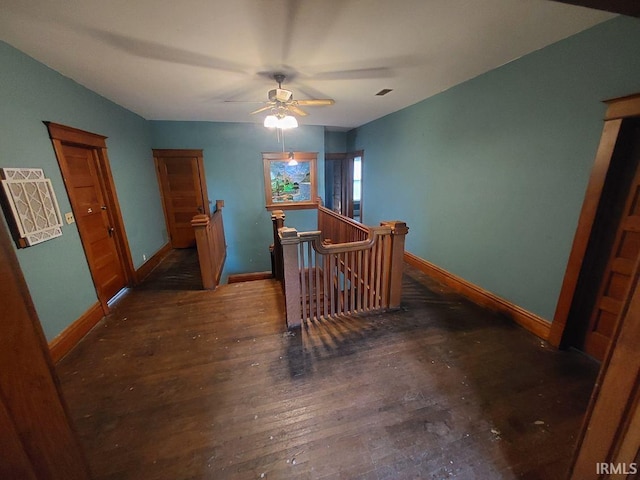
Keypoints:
(181, 383)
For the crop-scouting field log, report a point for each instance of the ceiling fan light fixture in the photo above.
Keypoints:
(281, 121)
(271, 121)
(288, 121)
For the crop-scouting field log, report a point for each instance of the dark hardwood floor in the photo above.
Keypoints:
(179, 383)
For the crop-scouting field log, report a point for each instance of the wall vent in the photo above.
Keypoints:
(33, 204)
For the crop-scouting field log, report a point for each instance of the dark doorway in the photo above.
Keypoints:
(343, 183)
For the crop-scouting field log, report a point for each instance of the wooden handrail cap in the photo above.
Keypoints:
(200, 220)
(288, 235)
(276, 214)
(397, 227)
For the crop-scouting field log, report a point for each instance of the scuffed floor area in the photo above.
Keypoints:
(179, 383)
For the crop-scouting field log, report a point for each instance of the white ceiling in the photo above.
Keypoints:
(181, 60)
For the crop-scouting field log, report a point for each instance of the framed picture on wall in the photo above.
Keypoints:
(290, 180)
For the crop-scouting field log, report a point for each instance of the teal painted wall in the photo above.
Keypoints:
(234, 171)
(56, 271)
(335, 142)
(490, 175)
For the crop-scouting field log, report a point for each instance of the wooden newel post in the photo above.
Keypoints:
(398, 233)
(277, 218)
(290, 240)
(201, 226)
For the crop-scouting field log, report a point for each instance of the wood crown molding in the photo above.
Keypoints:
(74, 135)
(285, 155)
(623, 107)
(165, 152)
(530, 321)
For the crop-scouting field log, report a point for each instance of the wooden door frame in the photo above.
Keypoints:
(618, 109)
(610, 433)
(352, 156)
(39, 439)
(347, 178)
(63, 135)
(338, 157)
(169, 153)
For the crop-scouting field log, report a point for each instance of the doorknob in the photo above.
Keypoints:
(110, 230)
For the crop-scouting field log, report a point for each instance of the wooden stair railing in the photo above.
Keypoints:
(331, 279)
(212, 249)
(338, 228)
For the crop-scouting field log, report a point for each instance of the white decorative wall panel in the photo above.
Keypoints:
(33, 203)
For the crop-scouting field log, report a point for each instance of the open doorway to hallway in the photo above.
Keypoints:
(343, 183)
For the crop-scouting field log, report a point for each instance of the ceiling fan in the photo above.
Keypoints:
(281, 100)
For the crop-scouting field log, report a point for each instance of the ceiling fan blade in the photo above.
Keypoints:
(166, 53)
(297, 111)
(318, 102)
(355, 74)
(263, 109)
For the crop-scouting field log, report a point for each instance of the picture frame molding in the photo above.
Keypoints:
(268, 158)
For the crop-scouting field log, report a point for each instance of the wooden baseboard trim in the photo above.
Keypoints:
(249, 277)
(70, 336)
(530, 321)
(147, 267)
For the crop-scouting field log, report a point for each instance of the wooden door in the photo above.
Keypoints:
(610, 435)
(184, 192)
(37, 439)
(614, 286)
(92, 215)
(84, 164)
